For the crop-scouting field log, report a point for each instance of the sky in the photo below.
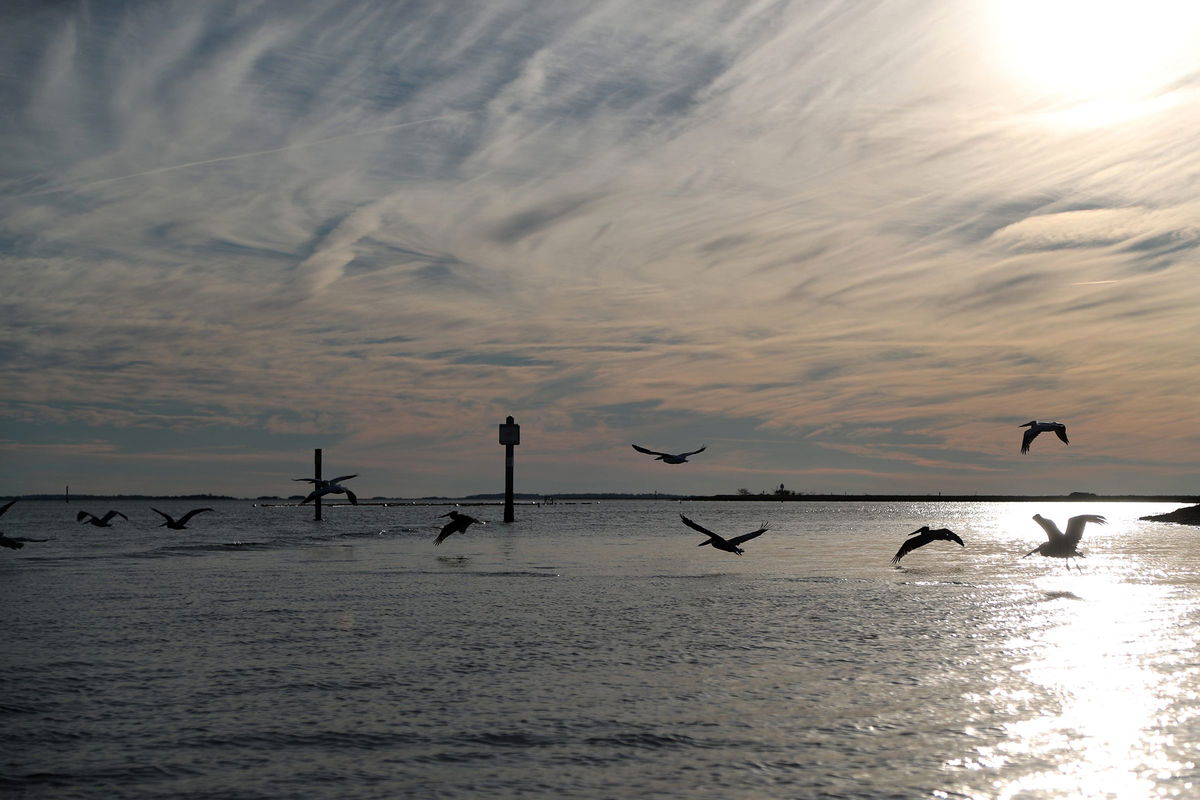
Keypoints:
(847, 246)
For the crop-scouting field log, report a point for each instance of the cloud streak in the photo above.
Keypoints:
(380, 228)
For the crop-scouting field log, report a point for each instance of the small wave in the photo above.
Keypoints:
(653, 741)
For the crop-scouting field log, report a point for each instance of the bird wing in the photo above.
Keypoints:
(1075, 526)
(306, 480)
(911, 544)
(165, 516)
(450, 527)
(648, 452)
(701, 450)
(1061, 430)
(112, 514)
(341, 478)
(1029, 436)
(1052, 531)
(183, 520)
(698, 527)
(7, 506)
(352, 497)
(82, 515)
(949, 536)
(745, 537)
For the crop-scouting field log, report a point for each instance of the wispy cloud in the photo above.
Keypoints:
(383, 227)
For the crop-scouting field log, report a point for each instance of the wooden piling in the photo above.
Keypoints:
(317, 485)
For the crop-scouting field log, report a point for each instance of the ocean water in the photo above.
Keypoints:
(594, 651)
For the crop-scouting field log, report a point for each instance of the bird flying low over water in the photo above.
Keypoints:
(458, 523)
(1063, 545)
(331, 486)
(99, 522)
(721, 543)
(668, 458)
(181, 523)
(926, 535)
(1036, 427)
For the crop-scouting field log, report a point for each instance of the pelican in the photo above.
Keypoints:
(181, 523)
(458, 523)
(720, 543)
(1063, 545)
(926, 536)
(1036, 427)
(17, 542)
(99, 522)
(668, 458)
(331, 486)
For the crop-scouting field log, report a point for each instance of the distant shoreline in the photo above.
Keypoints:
(566, 497)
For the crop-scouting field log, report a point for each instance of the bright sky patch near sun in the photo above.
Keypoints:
(850, 248)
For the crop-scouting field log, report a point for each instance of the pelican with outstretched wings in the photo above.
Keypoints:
(923, 536)
(458, 523)
(99, 522)
(331, 486)
(1036, 427)
(181, 523)
(1063, 545)
(669, 458)
(721, 543)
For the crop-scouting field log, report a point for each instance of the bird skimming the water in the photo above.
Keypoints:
(721, 543)
(1036, 427)
(331, 486)
(458, 523)
(669, 458)
(181, 523)
(926, 536)
(99, 522)
(1063, 545)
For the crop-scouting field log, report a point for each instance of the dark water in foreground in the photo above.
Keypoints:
(593, 651)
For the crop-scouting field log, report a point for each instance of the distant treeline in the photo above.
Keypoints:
(61, 496)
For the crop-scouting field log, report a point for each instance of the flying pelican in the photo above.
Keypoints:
(331, 486)
(17, 542)
(668, 458)
(926, 536)
(1036, 427)
(1063, 545)
(181, 523)
(458, 523)
(99, 522)
(720, 543)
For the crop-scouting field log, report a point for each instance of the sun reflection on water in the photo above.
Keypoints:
(1095, 670)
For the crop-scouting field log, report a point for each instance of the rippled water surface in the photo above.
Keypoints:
(594, 651)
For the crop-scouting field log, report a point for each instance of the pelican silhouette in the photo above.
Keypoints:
(458, 523)
(1063, 545)
(331, 486)
(669, 458)
(926, 536)
(17, 542)
(1036, 427)
(181, 523)
(99, 522)
(721, 543)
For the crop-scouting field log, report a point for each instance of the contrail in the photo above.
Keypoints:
(220, 159)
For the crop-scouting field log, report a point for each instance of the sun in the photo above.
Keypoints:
(1096, 51)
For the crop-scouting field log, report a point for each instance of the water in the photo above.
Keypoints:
(594, 651)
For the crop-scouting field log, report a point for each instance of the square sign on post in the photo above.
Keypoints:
(510, 432)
